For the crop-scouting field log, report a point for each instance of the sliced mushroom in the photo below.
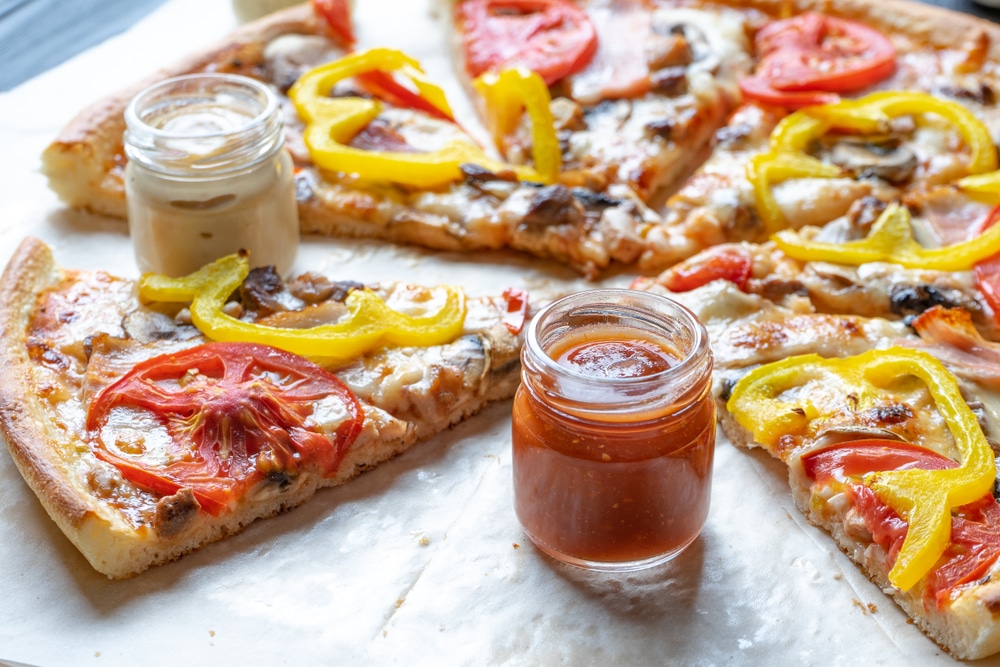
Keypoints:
(838, 434)
(147, 326)
(888, 159)
(264, 292)
(553, 205)
(288, 57)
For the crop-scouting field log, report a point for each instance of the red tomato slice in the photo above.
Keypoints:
(813, 53)
(337, 15)
(759, 89)
(987, 272)
(554, 38)
(517, 309)
(729, 264)
(386, 88)
(857, 457)
(234, 413)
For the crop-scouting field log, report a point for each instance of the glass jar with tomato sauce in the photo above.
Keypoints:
(614, 430)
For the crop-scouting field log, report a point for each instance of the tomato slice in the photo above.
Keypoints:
(517, 309)
(554, 38)
(759, 89)
(385, 87)
(730, 264)
(987, 272)
(231, 414)
(337, 16)
(975, 528)
(814, 53)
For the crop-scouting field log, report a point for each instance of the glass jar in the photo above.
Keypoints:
(614, 430)
(208, 175)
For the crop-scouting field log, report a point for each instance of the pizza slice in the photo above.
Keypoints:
(888, 438)
(428, 183)
(638, 88)
(151, 419)
(896, 132)
(881, 289)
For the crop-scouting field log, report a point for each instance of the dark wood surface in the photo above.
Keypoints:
(36, 35)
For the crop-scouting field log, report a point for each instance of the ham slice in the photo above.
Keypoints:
(619, 68)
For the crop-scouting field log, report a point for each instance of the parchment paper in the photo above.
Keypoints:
(420, 561)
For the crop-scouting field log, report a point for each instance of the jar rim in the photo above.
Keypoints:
(694, 356)
(134, 119)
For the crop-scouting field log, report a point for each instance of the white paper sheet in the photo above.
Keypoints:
(420, 561)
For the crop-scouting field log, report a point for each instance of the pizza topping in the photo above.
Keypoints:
(331, 123)
(973, 545)
(620, 68)
(806, 59)
(886, 158)
(765, 403)
(369, 322)
(508, 93)
(730, 263)
(868, 119)
(230, 415)
(517, 309)
(336, 14)
(553, 38)
(891, 240)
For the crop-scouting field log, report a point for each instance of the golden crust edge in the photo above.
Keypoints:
(967, 629)
(31, 269)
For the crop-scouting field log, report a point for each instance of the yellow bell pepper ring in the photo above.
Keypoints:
(508, 93)
(982, 184)
(924, 498)
(891, 240)
(368, 324)
(873, 112)
(332, 122)
(786, 157)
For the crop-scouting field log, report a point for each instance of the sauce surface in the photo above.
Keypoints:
(615, 358)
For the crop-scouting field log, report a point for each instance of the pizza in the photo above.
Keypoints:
(817, 180)
(848, 403)
(145, 439)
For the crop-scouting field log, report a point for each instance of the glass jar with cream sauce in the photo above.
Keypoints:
(208, 175)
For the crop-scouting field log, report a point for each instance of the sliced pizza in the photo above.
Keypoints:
(638, 88)
(906, 132)
(152, 419)
(849, 403)
(871, 289)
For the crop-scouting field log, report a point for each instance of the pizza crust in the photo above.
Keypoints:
(50, 460)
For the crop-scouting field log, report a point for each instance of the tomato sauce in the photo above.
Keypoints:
(611, 478)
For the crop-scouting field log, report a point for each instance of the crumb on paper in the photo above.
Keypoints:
(859, 605)
(516, 545)
(872, 607)
(838, 576)
(211, 633)
(385, 633)
(97, 654)
(424, 541)
(399, 602)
